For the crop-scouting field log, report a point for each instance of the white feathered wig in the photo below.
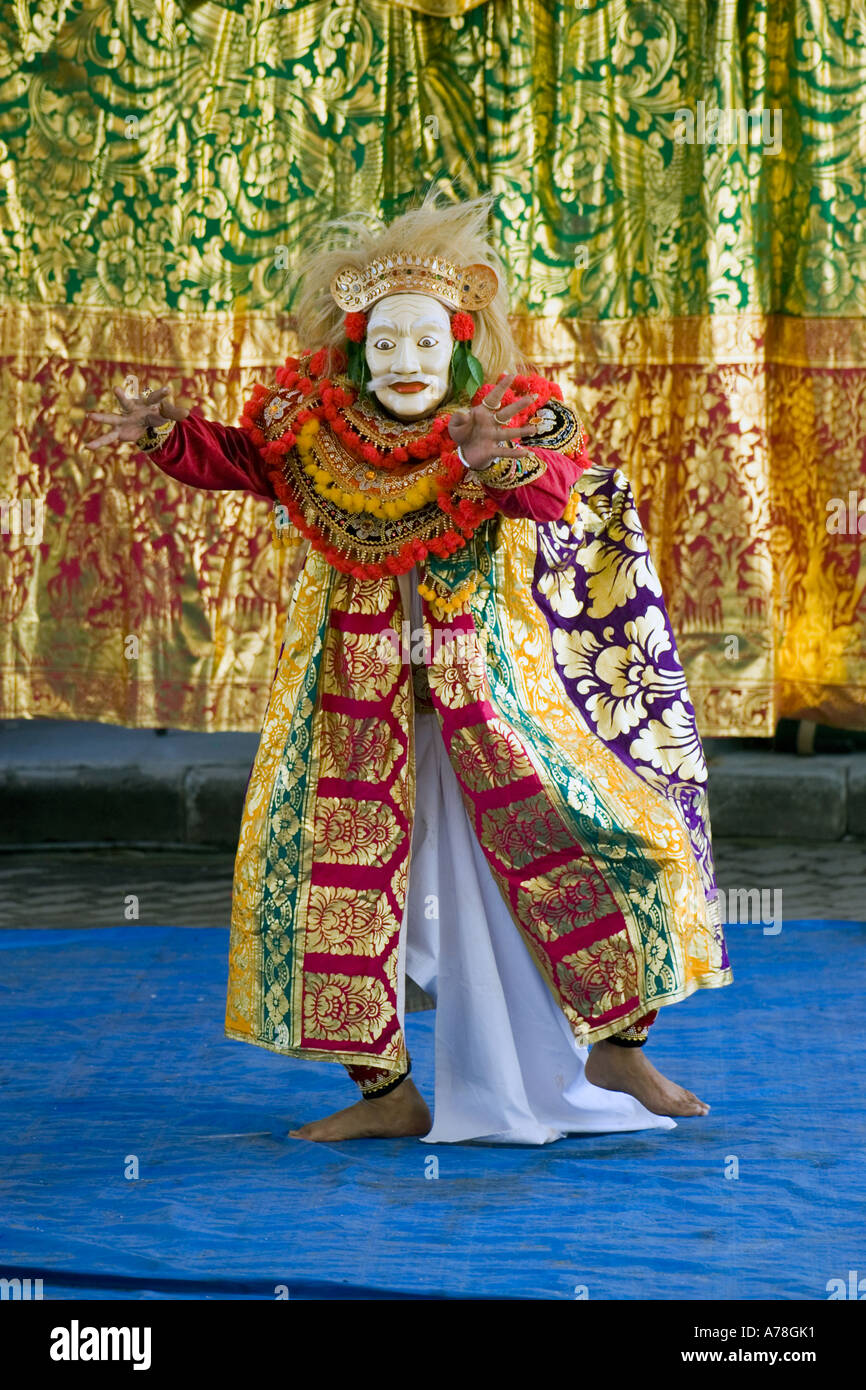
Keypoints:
(456, 231)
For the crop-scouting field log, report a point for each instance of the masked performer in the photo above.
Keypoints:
(479, 763)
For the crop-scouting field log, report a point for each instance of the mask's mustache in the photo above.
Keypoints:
(395, 378)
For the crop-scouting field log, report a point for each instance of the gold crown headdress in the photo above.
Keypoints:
(459, 287)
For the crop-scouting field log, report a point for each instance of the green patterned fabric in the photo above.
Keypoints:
(168, 155)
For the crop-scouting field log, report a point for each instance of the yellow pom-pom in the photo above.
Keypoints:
(444, 605)
(570, 513)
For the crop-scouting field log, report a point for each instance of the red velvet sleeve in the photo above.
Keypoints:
(204, 454)
(545, 499)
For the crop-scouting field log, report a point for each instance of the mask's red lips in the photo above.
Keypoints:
(408, 388)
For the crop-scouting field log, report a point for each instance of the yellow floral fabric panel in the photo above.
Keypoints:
(320, 886)
(265, 882)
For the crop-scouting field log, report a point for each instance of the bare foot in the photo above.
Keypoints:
(401, 1113)
(626, 1069)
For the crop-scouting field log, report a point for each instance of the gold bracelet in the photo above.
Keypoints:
(154, 437)
(502, 472)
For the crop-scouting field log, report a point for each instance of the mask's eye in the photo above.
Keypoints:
(383, 344)
(427, 341)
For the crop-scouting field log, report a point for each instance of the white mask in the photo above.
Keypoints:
(408, 349)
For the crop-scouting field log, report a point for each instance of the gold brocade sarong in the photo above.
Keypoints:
(600, 848)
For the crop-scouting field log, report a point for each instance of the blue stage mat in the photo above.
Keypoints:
(113, 1046)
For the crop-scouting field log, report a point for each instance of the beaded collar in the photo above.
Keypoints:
(373, 494)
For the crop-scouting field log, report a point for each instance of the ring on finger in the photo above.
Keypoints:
(498, 421)
(492, 408)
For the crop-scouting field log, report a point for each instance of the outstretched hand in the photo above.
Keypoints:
(139, 412)
(483, 432)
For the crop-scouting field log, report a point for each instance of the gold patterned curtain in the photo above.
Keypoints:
(702, 299)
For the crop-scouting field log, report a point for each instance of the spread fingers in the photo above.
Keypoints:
(110, 438)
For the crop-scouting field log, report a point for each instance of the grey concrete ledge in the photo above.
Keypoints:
(214, 801)
(857, 798)
(780, 796)
(74, 784)
(89, 804)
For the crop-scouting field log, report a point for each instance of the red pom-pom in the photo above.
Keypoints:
(317, 363)
(356, 327)
(462, 327)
